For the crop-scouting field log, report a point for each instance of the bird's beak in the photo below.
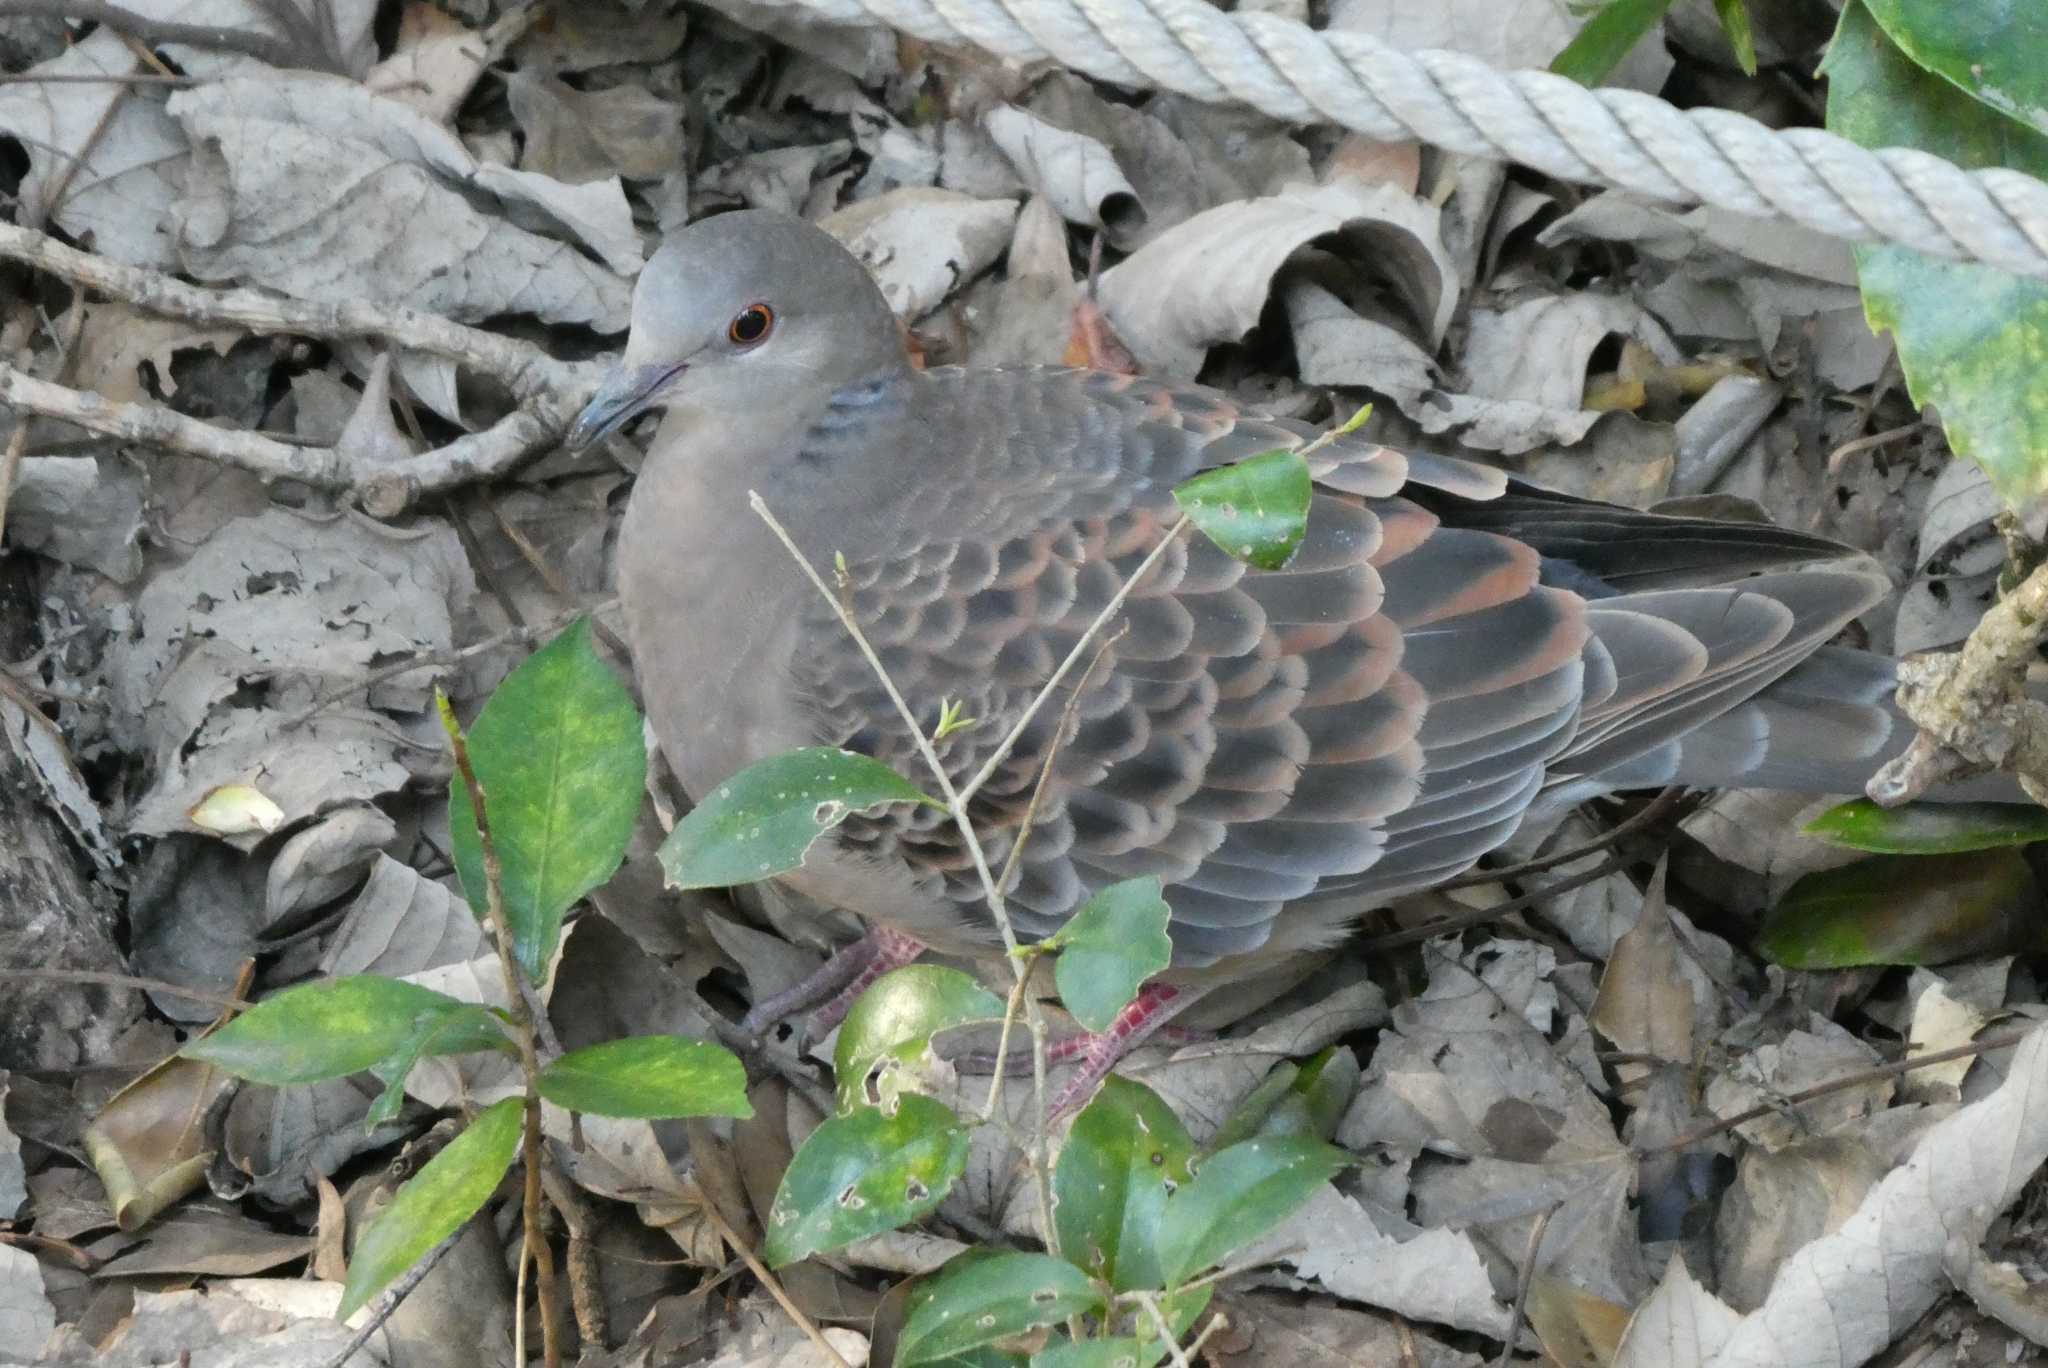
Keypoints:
(625, 394)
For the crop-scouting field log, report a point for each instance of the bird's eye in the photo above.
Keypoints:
(751, 324)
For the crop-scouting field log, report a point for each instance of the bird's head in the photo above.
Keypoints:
(742, 314)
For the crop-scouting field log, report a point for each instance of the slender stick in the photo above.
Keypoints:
(769, 1281)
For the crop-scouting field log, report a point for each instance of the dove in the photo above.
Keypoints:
(1450, 653)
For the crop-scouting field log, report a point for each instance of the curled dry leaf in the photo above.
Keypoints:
(923, 244)
(1075, 173)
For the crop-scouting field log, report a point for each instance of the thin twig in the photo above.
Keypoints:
(2004, 1040)
(1656, 808)
(526, 1023)
(1444, 926)
(263, 47)
(112, 980)
(1110, 610)
(769, 1281)
(1528, 1276)
(392, 1297)
(1149, 1304)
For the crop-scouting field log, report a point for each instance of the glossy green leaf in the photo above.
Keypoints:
(906, 1007)
(562, 760)
(1257, 510)
(1306, 1101)
(1238, 1195)
(1108, 948)
(1907, 909)
(1930, 828)
(864, 1173)
(1973, 341)
(1122, 1352)
(651, 1077)
(452, 1187)
(1995, 51)
(760, 822)
(337, 1027)
(1734, 15)
(1126, 1153)
(1607, 37)
(462, 1029)
(980, 1301)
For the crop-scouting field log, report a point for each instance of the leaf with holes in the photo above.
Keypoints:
(452, 1187)
(562, 761)
(760, 822)
(905, 1008)
(1930, 828)
(980, 1300)
(1125, 1155)
(1257, 510)
(1971, 339)
(332, 1029)
(651, 1077)
(862, 1174)
(1237, 1196)
(1107, 949)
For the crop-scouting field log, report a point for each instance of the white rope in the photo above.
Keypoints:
(1619, 138)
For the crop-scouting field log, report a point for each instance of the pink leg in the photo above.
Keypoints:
(1096, 1055)
(837, 982)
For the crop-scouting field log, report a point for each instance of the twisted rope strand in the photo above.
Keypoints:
(1618, 138)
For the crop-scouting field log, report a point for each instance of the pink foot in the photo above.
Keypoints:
(835, 984)
(1095, 1055)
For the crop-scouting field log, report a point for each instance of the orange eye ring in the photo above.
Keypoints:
(751, 325)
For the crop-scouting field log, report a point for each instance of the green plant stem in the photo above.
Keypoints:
(533, 1242)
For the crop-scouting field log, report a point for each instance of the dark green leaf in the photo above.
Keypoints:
(760, 822)
(440, 1031)
(652, 1076)
(1606, 39)
(1257, 510)
(862, 1174)
(1735, 23)
(1113, 944)
(980, 1301)
(1238, 1195)
(1995, 51)
(433, 1205)
(561, 757)
(1930, 828)
(1907, 909)
(904, 1008)
(1970, 338)
(332, 1029)
(1126, 1153)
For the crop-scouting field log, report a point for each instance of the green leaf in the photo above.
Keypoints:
(1930, 828)
(1907, 909)
(448, 1191)
(1606, 38)
(1122, 1352)
(862, 1174)
(760, 822)
(438, 1031)
(1109, 947)
(1972, 340)
(1735, 23)
(1995, 51)
(561, 757)
(1126, 1153)
(904, 1008)
(980, 1301)
(1257, 510)
(337, 1027)
(651, 1077)
(1306, 1101)
(1238, 1195)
